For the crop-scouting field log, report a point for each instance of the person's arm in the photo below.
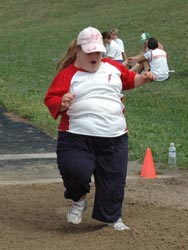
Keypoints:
(131, 79)
(54, 98)
(146, 77)
(136, 59)
(124, 56)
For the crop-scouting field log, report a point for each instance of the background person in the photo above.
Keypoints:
(133, 65)
(156, 58)
(144, 38)
(114, 35)
(113, 50)
(92, 134)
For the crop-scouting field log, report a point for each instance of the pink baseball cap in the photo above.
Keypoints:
(91, 40)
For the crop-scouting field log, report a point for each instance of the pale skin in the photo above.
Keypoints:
(133, 61)
(66, 100)
(140, 63)
(136, 59)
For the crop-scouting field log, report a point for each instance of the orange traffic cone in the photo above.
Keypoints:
(148, 168)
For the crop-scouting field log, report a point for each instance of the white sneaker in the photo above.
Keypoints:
(118, 225)
(74, 215)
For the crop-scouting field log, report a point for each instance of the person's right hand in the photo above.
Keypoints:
(66, 100)
(131, 60)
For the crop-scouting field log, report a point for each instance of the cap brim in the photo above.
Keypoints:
(90, 48)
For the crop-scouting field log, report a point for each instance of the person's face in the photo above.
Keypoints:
(114, 36)
(106, 40)
(88, 61)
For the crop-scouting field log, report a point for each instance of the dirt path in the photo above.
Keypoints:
(33, 217)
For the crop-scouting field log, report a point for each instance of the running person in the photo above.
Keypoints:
(92, 137)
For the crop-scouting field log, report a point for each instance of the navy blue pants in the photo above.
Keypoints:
(80, 156)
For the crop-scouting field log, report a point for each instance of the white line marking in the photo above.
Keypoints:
(42, 181)
(59, 180)
(27, 156)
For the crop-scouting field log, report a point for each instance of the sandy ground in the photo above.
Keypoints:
(33, 209)
(33, 217)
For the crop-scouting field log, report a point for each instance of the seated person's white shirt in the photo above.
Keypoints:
(157, 59)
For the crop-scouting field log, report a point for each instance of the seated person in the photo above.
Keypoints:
(154, 59)
(112, 49)
(144, 37)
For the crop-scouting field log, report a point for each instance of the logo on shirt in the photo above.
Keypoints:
(109, 77)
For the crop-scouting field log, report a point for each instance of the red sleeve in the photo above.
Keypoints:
(59, 86)
(127, 76)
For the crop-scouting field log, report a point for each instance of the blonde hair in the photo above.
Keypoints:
(114, 31)
(69, 57)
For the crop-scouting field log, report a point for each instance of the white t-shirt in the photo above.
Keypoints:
(120, 44)
(157, 59)
(113, 51)
(97, 108)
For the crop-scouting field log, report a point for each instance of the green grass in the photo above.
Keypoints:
(35, 33)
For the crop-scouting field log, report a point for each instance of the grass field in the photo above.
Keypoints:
(34, 34)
